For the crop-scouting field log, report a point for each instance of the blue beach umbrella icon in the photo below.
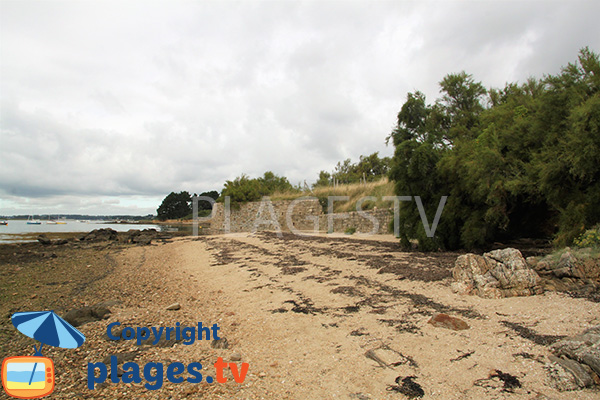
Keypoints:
(48, 328)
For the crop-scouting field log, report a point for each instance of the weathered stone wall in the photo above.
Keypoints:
(304, 215)
(371, 221)
(249, 217)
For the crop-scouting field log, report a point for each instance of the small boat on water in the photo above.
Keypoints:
(3, 223)
(31, 221)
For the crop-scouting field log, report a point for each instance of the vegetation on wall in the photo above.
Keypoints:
(369, 168)
(244, 189)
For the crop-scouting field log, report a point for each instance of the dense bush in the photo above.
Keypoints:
(244, 189)
(515, 162)
(590, 238)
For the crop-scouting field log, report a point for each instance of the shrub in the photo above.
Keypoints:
(590, 238)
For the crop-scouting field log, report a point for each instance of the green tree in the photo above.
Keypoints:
(206, 204)
(324, 179)
(271, 183)
(244, 189)
(372, 167)
(174, 206)
(528, 164)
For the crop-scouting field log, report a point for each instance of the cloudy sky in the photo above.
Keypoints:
(106, 107)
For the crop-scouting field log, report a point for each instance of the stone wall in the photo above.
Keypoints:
(371, 221)
(302, 214)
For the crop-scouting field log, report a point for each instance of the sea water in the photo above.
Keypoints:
(14, 231)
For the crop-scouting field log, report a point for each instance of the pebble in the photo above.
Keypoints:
(174, 307)
(235, 356)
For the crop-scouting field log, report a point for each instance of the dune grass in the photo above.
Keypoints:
(354, 193)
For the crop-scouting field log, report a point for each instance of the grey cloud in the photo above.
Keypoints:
(123, 99)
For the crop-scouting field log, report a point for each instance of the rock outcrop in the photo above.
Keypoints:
(497, 274)
(572, 264)
(575, 362)
(576, 271)
(135, 236)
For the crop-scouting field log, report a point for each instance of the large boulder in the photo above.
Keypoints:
(497, 274)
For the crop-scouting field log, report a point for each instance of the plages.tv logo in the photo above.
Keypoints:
(32, 377)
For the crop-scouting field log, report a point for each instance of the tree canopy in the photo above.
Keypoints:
(519, 161)
(370, 167)
(206, 204)
(175, 205)
(244, 189)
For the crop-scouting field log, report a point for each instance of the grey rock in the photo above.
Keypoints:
(576, 361)
(174, 307)
(580, 373)
(100, 235)
(143, 237)
(583, 348)
(43, 239)
(235, 357)
(560, 378)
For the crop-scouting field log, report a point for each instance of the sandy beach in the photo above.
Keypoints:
(320, 317)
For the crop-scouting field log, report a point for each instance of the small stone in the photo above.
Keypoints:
(33, 296)
(235, 357)
(446, 321)
(222, 343)
(174, 307)
(262, 374)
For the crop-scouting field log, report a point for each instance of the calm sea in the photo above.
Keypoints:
(14, 231)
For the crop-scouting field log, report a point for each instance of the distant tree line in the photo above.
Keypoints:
(240, 190)
(521, 161)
